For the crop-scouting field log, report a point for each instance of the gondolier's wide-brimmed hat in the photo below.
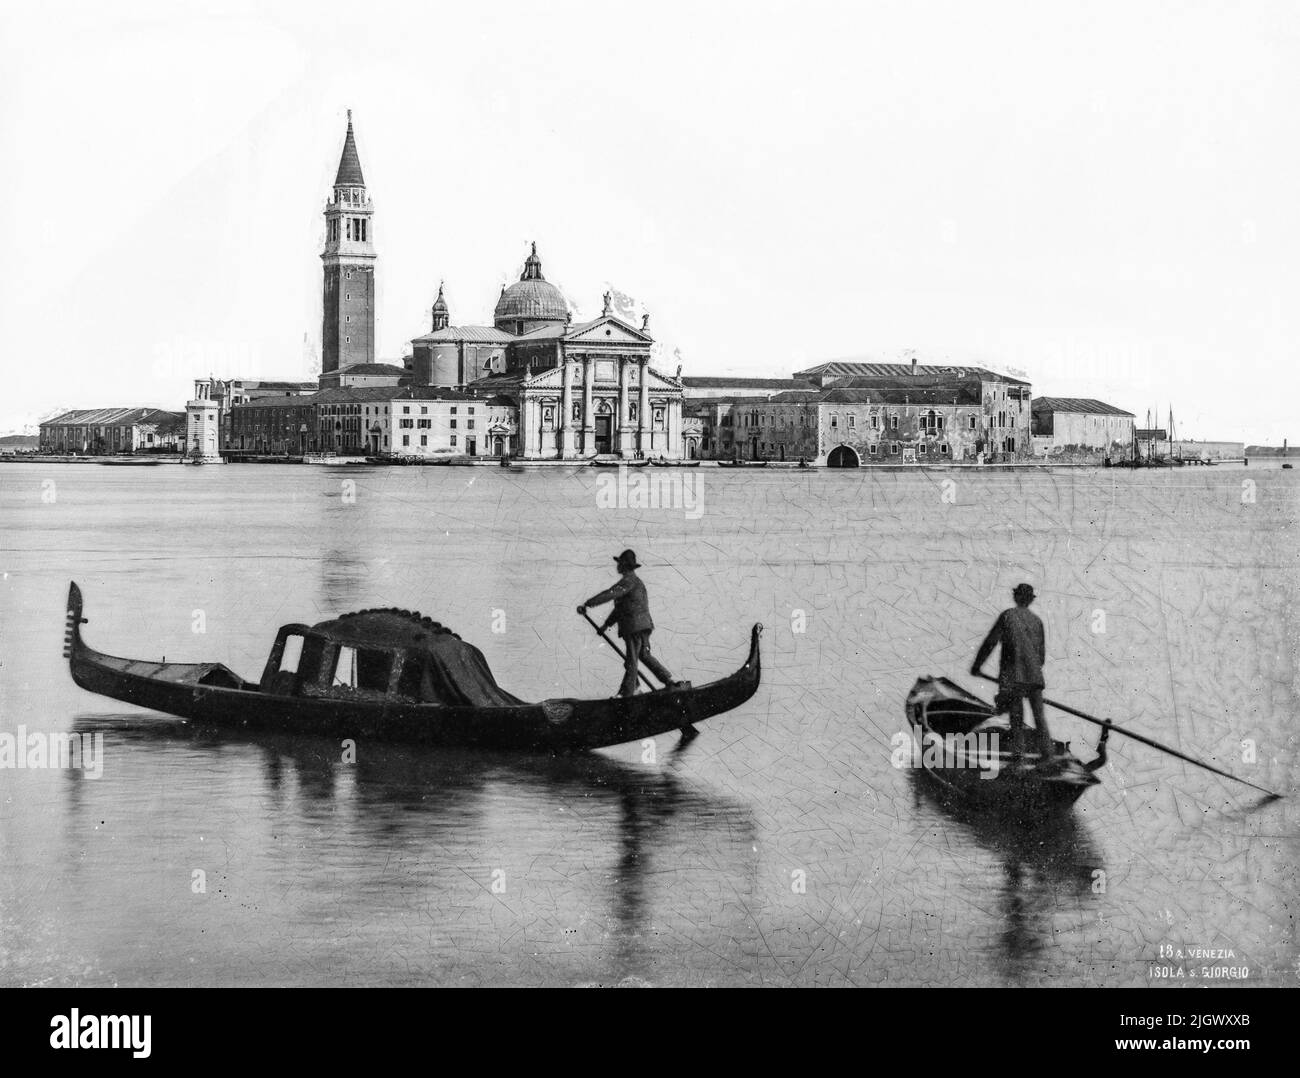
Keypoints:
(627, 560)
(1023, 591)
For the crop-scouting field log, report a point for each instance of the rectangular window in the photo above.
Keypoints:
(921, 449)
(424, 439)
(406, 409)
(853, 420)
(453, 409)
(872, 449)
(453, 439)
(835, 420)
(469, 424)
(453, 422)
(406, 439)
(972, 422)
(471, 411)
(943, 449)
(292, 653)
(423, 410)
(893, 449)
(893, 425)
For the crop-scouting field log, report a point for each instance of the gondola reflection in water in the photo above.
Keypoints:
(392, 675)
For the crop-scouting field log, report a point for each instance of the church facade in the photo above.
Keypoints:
(581, 390)
(573, 391)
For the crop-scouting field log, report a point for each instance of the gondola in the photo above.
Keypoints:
(962, 745)
(619, 463)
(392, 675)
(742, 464)
(674, 463)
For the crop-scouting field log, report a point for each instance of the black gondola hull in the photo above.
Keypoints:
(553, 725)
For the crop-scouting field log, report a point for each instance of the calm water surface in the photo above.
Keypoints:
(781, 847)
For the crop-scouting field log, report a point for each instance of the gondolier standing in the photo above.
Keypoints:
(1020, 674)
(632, 612)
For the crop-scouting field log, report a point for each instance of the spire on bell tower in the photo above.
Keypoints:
(348, 328)
(441, 315)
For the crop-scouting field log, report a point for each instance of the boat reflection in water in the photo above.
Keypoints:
(477, 867)
(1047, 878)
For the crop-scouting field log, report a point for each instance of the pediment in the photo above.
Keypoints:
(551, 378)
(607, 330)
(655, 380)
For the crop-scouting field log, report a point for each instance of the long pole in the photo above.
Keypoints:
(1146, 741)
(619, 650)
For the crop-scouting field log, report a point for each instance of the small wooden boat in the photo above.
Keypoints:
(619, 463)
(742, 464)
(963, 746)
(393, 675)
(661, 463)
(129, 463)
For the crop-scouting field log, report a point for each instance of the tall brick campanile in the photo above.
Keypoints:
(348, 328)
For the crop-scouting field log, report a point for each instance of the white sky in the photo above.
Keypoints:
(1102, 195)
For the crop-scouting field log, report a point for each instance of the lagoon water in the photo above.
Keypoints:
(781, 847)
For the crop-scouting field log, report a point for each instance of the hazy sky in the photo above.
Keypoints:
(1102, 195)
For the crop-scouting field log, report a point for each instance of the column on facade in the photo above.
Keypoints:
(564, 428)
(528, 427)
(588, 418)
(624, 424)
(643, 408)
(673, 425)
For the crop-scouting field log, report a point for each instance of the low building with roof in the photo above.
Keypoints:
(13, 445)
(703, 387)
(892, 417)
(365, 376)
(1081, 430)
(424, 422)
(107, 431)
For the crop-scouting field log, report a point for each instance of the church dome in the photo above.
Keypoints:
(532, 298)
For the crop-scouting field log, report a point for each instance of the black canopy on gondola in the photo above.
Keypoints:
(384, 651)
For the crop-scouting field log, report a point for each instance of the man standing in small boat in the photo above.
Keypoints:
(632, 612)
(1020, 674)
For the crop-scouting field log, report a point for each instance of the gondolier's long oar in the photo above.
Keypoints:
(1145, 740)
(619, 650)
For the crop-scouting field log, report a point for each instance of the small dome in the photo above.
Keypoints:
(532, 298)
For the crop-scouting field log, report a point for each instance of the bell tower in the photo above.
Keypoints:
(348, 327)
